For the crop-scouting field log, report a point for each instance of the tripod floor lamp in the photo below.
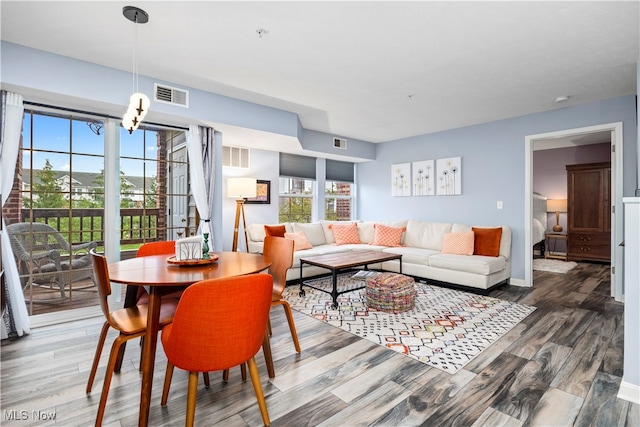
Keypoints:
(239, 188)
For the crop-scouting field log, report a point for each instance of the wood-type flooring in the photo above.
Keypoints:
(561, 366)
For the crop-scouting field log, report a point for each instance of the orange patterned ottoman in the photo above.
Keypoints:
(390, 292)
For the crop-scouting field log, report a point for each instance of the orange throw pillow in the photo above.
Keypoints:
(384, 235)
(345, 233)
(300, 240)
(486, 241)
(275, 230)
(458, 243)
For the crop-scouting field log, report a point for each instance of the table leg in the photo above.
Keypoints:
(301, 293)
(149, 354)
(334, 291)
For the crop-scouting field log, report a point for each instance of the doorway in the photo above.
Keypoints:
(576, 136)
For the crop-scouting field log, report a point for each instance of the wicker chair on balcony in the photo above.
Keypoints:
(46, 258)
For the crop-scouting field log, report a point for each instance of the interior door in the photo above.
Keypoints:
(179, 199)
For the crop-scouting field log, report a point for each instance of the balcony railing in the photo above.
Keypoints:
(137, 225)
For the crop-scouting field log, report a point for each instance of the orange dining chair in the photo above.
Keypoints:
(138, 294)
(130, 322)
(279, 251)
(219, 323)
(135, 295)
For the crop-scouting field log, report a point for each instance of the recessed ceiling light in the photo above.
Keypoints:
(261, 32)
(562, 98)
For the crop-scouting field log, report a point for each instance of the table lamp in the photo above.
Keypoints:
(557, 206)
(239, 189)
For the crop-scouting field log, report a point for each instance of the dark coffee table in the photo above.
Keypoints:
(342, 261)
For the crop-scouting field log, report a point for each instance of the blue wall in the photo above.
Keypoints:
(493, 164)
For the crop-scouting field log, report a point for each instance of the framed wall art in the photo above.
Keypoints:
(263, 193)
(449, 176)
(423, 178)
(401, 179)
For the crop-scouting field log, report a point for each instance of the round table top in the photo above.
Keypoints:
(155, 270)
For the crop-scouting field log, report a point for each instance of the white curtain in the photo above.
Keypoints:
(201, 150)
(15, 322)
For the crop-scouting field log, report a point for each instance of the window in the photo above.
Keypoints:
(338, 191)
(295, 200)
(153, 185)
(296, 189)
(58, 159)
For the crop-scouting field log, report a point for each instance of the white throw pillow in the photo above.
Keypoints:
(313, 231)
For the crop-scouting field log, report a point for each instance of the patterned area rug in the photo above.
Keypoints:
(553, 265)
(446, 329)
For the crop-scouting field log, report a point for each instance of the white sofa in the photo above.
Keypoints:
(421, 252)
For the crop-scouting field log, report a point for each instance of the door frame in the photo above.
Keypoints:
(617, 290)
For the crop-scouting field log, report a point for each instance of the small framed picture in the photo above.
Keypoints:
(263, 193)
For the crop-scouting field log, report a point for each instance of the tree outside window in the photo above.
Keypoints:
(295, 200)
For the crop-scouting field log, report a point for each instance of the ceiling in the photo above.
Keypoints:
(374, 71)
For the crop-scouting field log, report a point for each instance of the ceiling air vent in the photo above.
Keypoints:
(340, 143)
(171, 95)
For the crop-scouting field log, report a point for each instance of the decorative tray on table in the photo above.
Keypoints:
(191, 262)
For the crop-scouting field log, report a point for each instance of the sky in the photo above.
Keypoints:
(55, 135)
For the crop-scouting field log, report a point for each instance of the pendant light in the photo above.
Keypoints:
(139, 102)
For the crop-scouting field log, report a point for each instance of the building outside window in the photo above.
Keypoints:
(338, 200)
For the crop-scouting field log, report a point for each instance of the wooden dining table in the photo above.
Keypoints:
(156, 272)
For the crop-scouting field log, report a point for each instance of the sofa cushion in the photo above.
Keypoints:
(412, 255)
(345, 234)
(460, 243)
(275, 230)
(318, 250)
(487, 241)
(313, 231)
(366, 232)
(476, 264)
(425, 234)
(387, 236)
(328, 233)
(300, 241)
(256, 232)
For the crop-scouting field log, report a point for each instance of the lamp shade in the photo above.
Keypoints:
(557, 205)
(239, 188)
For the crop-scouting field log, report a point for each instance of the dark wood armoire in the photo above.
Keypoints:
(589, 211)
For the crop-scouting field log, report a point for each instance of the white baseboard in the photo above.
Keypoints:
(518, 282)
(629, 392)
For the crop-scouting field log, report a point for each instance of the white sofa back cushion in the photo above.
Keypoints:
(426, 234)
(313, 231)
(256, 232)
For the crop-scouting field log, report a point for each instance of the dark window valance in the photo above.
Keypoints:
(295, 166)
